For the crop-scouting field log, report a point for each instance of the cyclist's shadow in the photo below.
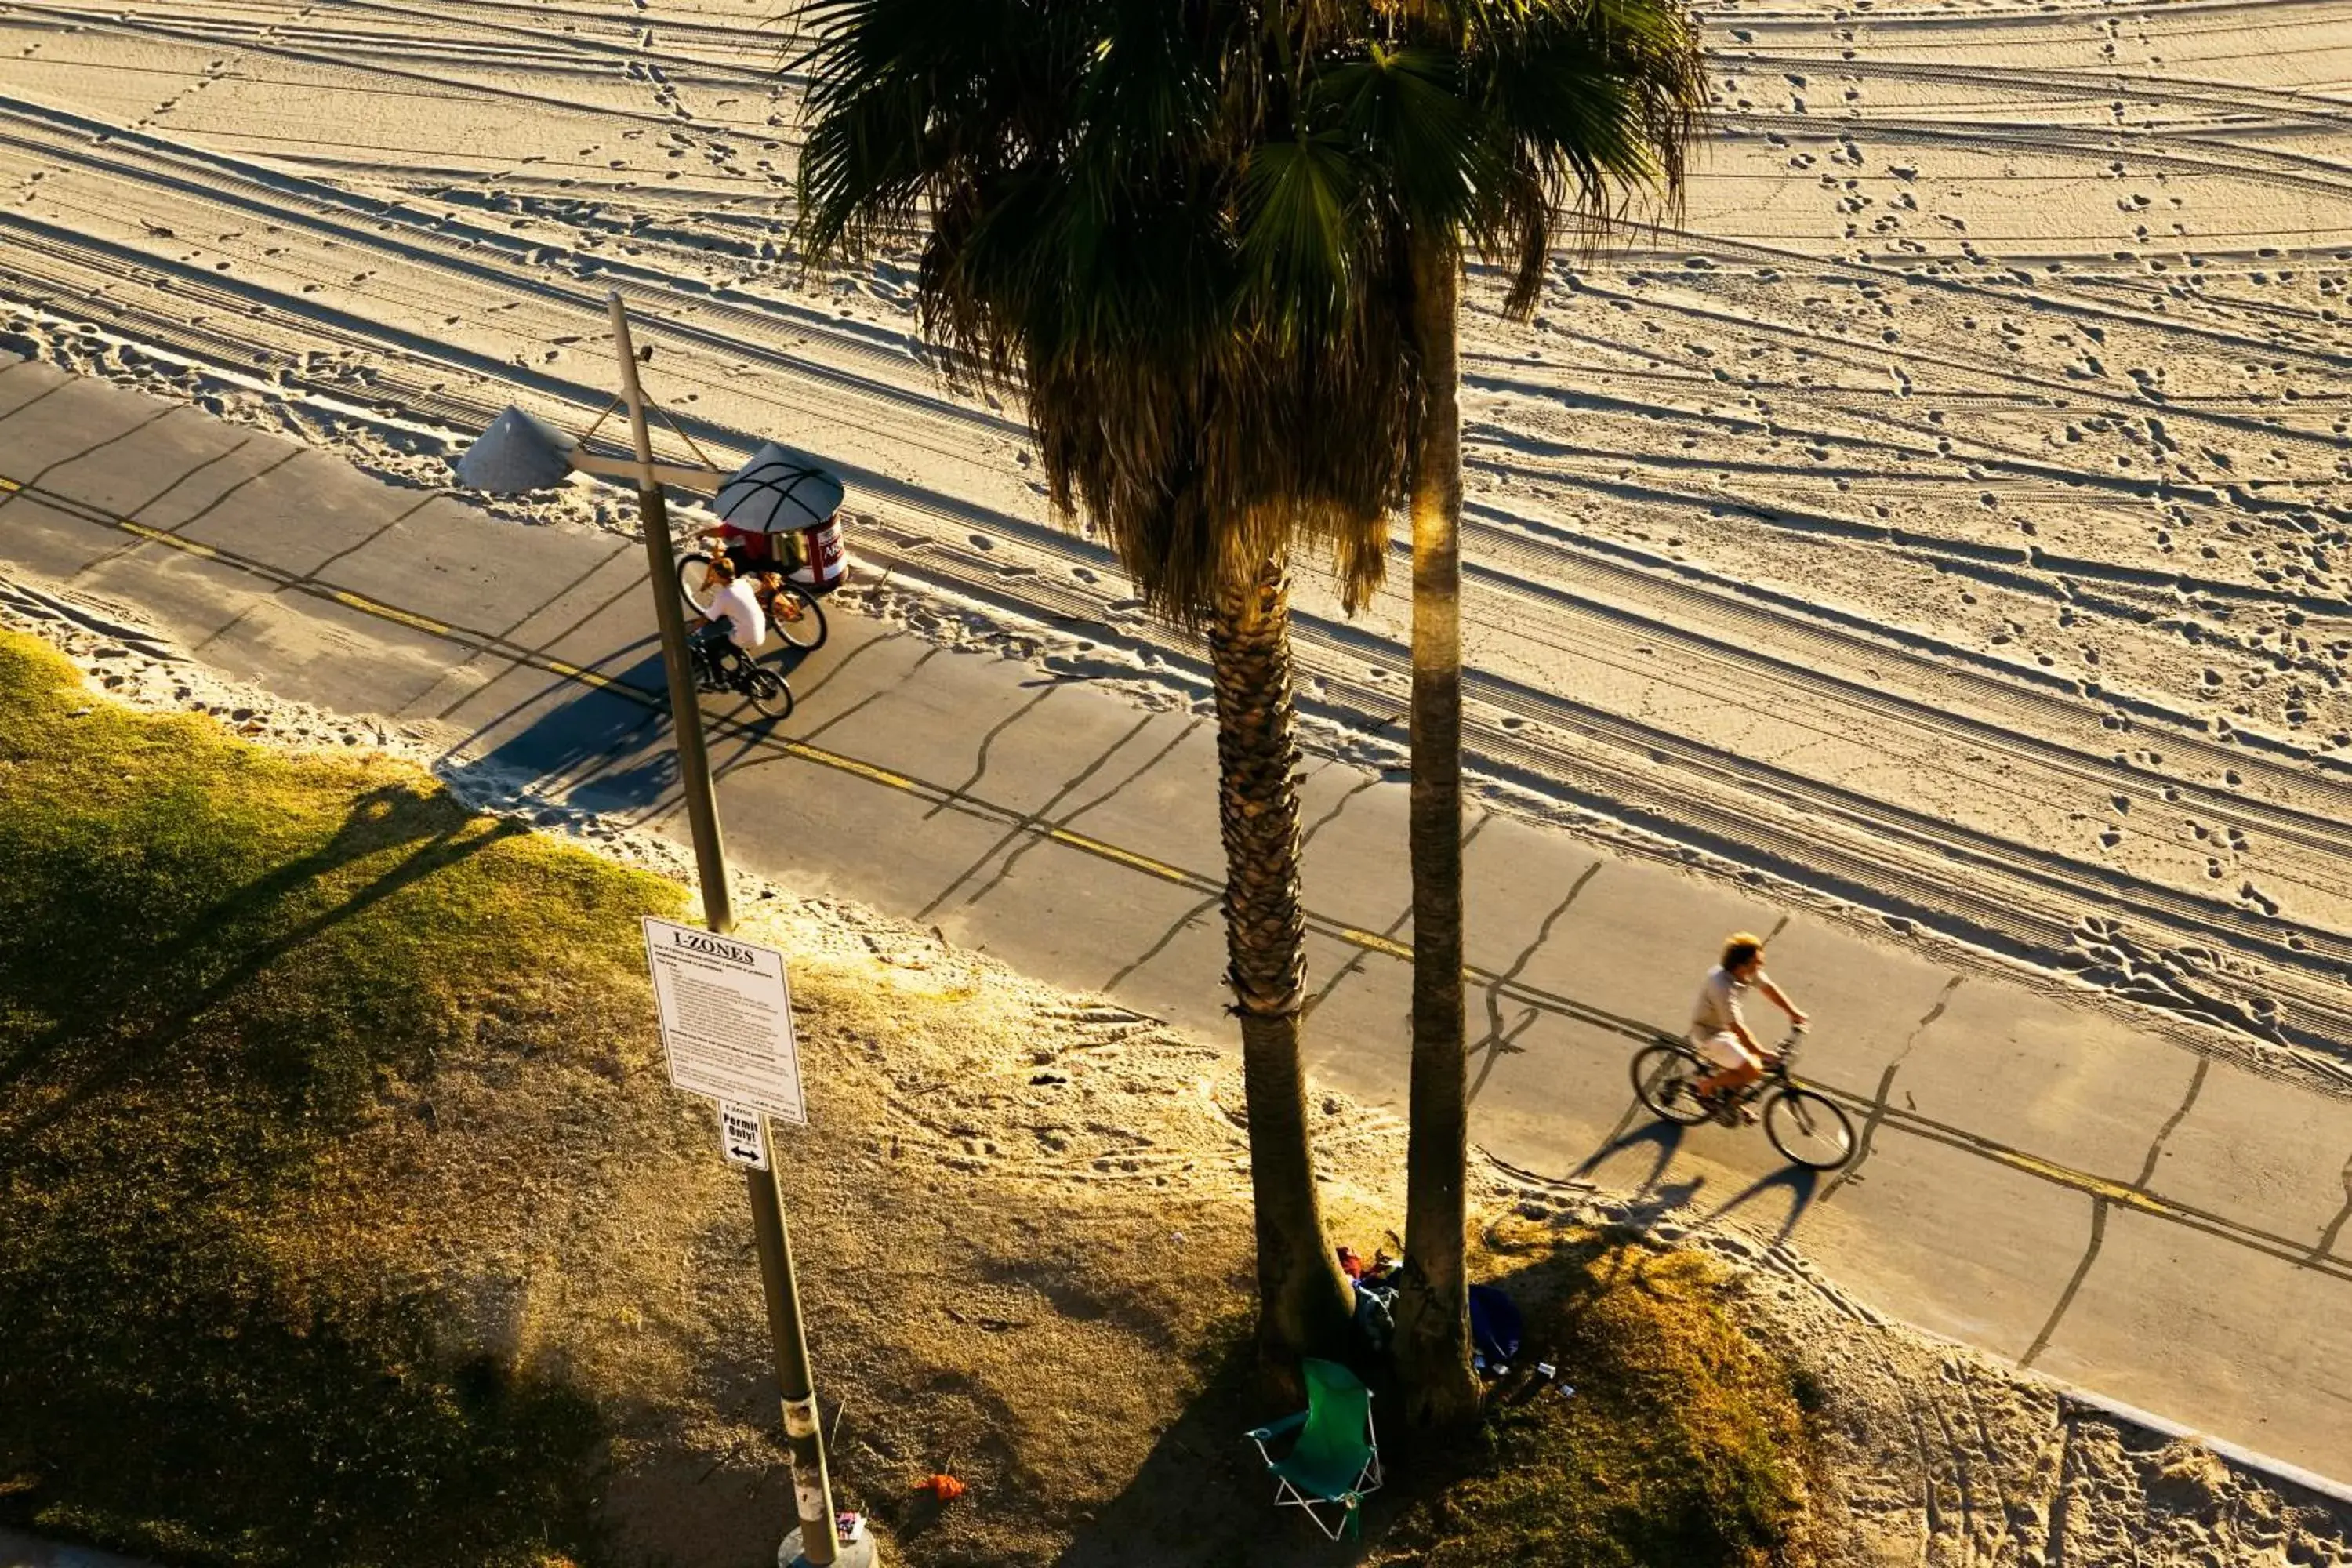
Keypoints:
(606, 748)
(1653, 1196)
(1803, 1183)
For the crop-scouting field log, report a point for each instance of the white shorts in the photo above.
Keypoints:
(1723, 1049)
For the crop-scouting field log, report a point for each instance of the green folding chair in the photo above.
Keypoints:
(1335, 1458)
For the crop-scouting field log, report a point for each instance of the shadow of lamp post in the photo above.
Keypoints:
(772, 493)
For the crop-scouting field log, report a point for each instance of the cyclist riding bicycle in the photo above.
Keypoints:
(1719, 1030)
(735, 623)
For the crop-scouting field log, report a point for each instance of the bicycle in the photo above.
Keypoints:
(732, 669)
(1806, 1126)
(798, 618)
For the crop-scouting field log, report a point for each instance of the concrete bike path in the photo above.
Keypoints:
(2040, 1179)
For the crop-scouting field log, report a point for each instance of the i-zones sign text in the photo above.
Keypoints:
(726, 1019)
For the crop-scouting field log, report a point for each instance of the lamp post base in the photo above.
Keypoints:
(858, 1553)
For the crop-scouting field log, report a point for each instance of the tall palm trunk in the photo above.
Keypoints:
(1433, 1306)
(1303, 1306)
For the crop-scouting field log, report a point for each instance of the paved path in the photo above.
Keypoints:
(2040, 1180)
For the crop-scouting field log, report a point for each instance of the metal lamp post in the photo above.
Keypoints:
(518, 453)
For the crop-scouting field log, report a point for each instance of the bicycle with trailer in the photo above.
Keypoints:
(779, 513)
(1805, 1125)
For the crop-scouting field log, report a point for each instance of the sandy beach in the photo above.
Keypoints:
(1938, 517)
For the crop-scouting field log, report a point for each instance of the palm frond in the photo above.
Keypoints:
(1403, 110)
(1299, 221)
(1181, 229)
(1599, 101)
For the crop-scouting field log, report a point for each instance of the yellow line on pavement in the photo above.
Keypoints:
(11, 486)
(882, 777)
(2080, 1180)
(160, 537)
(2017, 1160)
(368, 606)
(1143, 863)
(1375, 943)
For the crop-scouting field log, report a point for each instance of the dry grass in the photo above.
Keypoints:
(1681, 1442)
(351, 1220)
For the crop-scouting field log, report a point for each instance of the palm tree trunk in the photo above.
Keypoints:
(1303, 1299)
(1433, 1305)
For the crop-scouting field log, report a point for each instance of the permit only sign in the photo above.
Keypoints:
(726, 1020)
(741, 1138)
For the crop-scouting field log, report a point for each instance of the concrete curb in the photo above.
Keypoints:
(19, 1550)
(2279, 1471)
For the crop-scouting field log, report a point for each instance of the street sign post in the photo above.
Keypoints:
(725, 1013)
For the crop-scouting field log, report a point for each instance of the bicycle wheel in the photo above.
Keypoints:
(768, 692)
(1663, 1076)
(1809, 1130)
(691, 587)
(798, 618)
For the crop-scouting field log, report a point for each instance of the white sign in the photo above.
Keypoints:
(741, 1138)
(726, 1019)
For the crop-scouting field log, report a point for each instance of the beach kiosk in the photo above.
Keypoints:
(785, 492)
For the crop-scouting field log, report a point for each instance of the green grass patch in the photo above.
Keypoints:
(1684, 1443)
(218, 965)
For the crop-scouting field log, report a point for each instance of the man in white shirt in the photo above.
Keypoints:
(1719, 1030)
(733, 615)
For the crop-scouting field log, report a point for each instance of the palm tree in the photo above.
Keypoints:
(1074, 173)
(1502, 126)
(1221, 244)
